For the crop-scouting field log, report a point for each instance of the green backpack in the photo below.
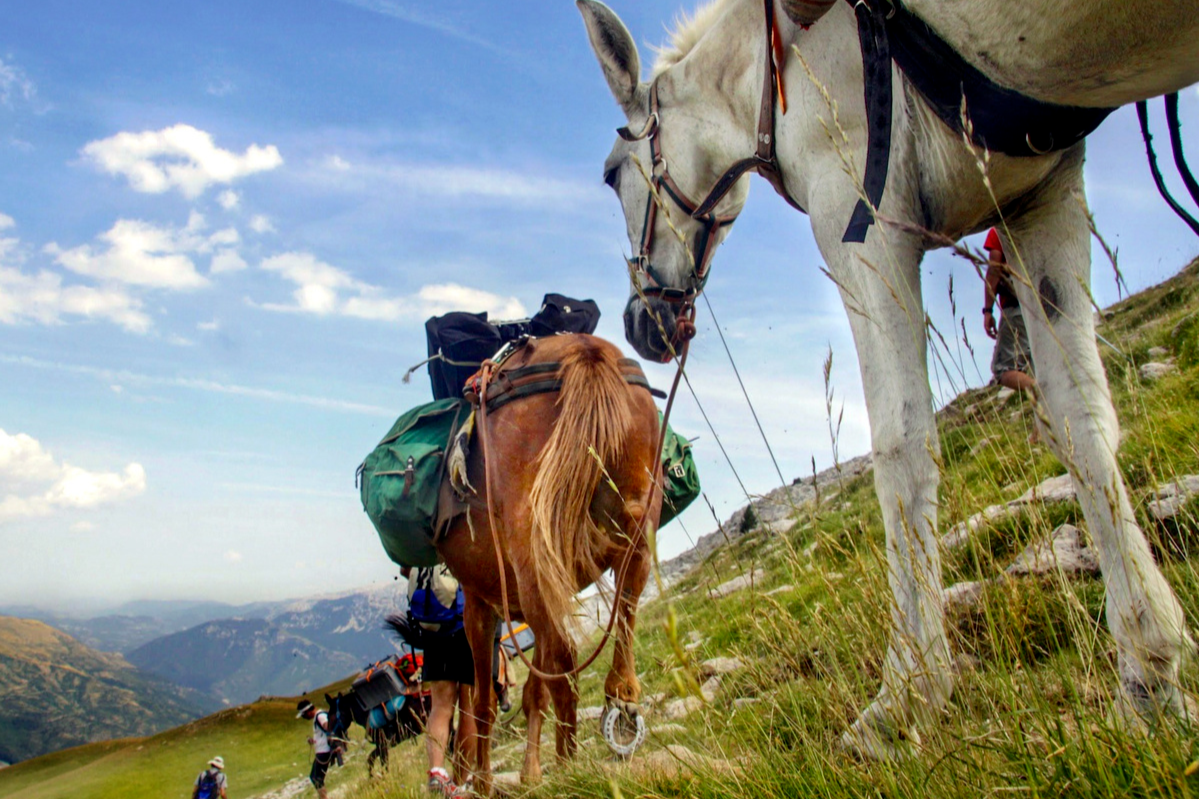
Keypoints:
(401, 479)
(680, 478)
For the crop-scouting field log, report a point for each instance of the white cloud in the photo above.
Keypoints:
(113, 377)
(6, 221)
(43, 298)
(179, 157)
(325, 290)
(458, 182)
(233, 556)
(261, 224)
(82, 527)
(142, 254)
(228, 199)
(32, 483)
(209, 327)
(15, 84)
(406, 13)
(226, 261)
(220, 88)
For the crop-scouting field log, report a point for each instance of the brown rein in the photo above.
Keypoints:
(656, 485)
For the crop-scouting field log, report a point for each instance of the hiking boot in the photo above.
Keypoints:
(441, 784)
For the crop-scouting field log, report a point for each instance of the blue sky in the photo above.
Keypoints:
(223, 225)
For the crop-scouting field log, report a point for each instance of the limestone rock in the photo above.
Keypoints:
(506, 779)
(710, 688)
(1159, 352)
(1170, 497)
(737, 583)
(1055, 489)
(1155, 370)
(962, 531)
(671, 760)
(681, 708)
(782, 589)
(718, 666)
(746, 701)
(1064, 551)
(590, 713)
(962, 594)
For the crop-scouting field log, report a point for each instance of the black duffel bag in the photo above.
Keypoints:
(459, 342)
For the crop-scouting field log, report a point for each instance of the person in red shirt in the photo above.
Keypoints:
(1011, 364)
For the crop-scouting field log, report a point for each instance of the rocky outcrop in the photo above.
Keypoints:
(773, 512)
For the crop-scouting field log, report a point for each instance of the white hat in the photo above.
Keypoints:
(217, 761)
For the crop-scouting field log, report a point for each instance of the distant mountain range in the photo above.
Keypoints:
(230, 654)
(55, 692)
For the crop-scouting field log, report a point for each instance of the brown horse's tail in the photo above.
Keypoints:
(594, 419)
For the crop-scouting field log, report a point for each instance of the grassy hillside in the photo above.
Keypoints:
(1035, 663)
(56, 692)
(263, 745)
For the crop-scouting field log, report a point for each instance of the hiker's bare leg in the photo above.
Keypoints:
(444, 694)
(1017, 380)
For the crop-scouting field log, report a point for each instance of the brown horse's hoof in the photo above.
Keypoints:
(623, 728)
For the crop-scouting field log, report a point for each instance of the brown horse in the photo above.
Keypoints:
(569, 475)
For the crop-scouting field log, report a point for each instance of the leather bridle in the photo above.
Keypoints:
(764, 161)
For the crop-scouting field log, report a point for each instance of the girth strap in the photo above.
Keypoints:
(876, 72)
(541, 378)
(1001, 119)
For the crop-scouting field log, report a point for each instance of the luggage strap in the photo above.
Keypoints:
(541, 378)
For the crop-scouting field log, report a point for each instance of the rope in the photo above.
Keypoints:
(748, 401)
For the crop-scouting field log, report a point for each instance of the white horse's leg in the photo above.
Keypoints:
(1052, 242)
(880, 286)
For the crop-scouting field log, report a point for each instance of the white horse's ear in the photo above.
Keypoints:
(616, 51)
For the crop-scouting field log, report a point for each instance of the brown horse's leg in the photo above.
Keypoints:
(534, 701)
(622, 684)
(560, 659)
(479, 619)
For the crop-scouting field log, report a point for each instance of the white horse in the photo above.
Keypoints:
(707, 90)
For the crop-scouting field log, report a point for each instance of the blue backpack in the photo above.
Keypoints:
(208, 785)
(427, 602)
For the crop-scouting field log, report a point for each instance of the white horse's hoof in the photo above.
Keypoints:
(1140, 708)
(872, 739)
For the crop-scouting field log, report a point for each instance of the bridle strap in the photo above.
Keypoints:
(764, 161)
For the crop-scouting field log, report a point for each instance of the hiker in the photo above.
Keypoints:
(435, 614)
(211, 783)
(325, 748)
(1011, 364)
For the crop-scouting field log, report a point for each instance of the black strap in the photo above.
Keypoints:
(876, 72)
(1002, 120)
(1143, 118)
(1180, 160)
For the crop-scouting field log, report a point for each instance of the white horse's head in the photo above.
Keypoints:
(681, 135)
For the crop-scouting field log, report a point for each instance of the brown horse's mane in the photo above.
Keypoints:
(593, 421)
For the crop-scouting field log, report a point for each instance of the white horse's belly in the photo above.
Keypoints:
(1097, 53)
